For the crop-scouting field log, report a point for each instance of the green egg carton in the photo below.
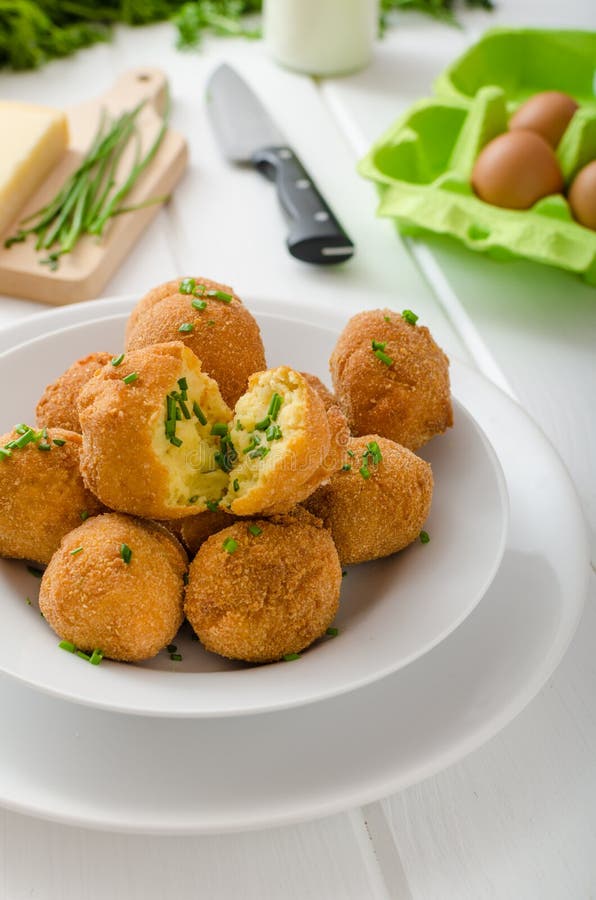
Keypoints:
(422, 165)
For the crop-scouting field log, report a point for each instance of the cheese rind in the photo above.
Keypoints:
(33, 139)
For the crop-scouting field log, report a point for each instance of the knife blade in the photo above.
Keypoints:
(247, 134)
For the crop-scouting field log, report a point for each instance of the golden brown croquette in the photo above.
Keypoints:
(42, 495)
(391, 378)
(377, 504)
(116, 584)
(58, 404)
(282, 437)
(212, 321)
(195, 530)
(148, 446)
(262, 589)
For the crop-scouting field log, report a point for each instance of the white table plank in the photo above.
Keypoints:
(319, 861)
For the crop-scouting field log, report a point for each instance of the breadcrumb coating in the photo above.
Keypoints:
(57, 406)
(375, 516)
(128, 460)
(274, 594)
(42, 495)
(224, 335)
(408, 400)
(96, 599)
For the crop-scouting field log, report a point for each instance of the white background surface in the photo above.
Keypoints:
(517, 819)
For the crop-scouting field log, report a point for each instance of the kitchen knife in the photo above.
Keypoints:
(247, 134)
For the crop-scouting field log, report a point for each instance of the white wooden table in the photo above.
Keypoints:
(517, 818)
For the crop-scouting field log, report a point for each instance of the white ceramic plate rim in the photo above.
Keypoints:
(187, 700)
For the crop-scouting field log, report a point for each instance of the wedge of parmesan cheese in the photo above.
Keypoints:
(32, 140)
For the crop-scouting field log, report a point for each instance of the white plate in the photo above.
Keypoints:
(87, 767)
(392, 611)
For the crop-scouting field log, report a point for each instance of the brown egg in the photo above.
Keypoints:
(515, 170)
(582, 196)
(548, 114)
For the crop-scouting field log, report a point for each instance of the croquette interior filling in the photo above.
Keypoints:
(265, 420)
(187, 437)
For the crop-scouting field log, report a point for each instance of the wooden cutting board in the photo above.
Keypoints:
(82, 274)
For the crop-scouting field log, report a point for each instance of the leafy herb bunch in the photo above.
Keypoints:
(31, 33)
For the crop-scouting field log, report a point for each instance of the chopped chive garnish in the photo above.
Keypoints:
(332, 632)
(28, 601)
(199, 304)
(199, 290)
(254, 442)
(187, 286)
(275, 406)
(125, 553)
(409, 316)
(186, 327)
(374, 451)
(254, 529)
(44, 446)
(84, 514)
(117, 360)
(128, 379)
(33, 571)
(178, 416)
(4, 453)
(212, 505)
(76, 551)
(96, 657)
(184, 408)
(84, 656)
(259, 453)
(199, 413)
(344, 573)
(171, 427)
(21, 428)
(219, 428)
(193, 499)
(26, 438)
(379, 345)
(68, 646)
(364, 471)
(183, 384)
(171, 648)
(230, 545)
(387, 318)
(424, 537)
(220, 295)
(59, 442)
(346, 468)
(211, 322)
(387, 360)
(273, 433)
(239, 426)
(264, 424)
(176, 657)
(289, 657)
(351, 453)
(175, 441)
(236, 484)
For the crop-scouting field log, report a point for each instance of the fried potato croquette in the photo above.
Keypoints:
(116, 584)
(262, 589)
(210, 319)
(148, 445)
(377, 504)
(283, 441)
(42, 495)
(58, 404)
(391, 378)
(195, 530)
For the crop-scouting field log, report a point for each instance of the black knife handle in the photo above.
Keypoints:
(315, 234)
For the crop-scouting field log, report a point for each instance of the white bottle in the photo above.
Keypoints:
(321, 37)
